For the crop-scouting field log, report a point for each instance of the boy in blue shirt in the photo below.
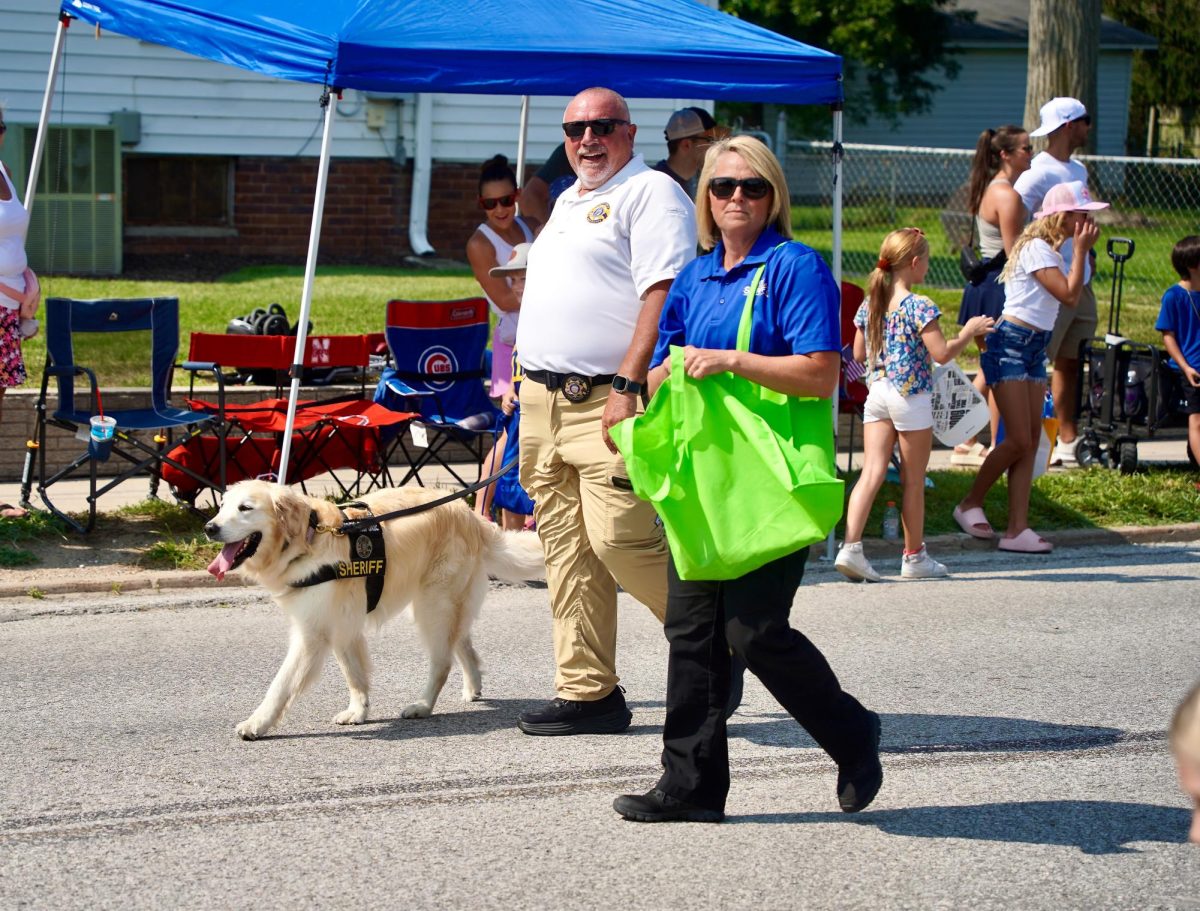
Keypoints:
(1179, 323)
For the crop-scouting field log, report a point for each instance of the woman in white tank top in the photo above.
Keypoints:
(997, 216)
(491, 245)
(18, 292)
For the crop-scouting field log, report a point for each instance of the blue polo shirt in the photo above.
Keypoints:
(796, 310)
(1180, 314)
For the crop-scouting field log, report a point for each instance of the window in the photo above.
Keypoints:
(178, 191)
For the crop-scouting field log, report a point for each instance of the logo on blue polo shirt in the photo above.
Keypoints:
(762, 290)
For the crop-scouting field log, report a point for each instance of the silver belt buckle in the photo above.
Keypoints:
(576, 388)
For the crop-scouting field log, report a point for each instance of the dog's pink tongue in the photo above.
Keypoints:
(220, 566)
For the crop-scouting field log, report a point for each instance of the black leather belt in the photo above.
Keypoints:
(575, 386)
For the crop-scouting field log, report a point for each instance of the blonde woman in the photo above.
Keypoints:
(1037, 283)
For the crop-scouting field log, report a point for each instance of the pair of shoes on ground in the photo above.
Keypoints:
(852, 563)
(1063, 455)
(563, 717)
(968, 455)
(975, 523)
(857, 785)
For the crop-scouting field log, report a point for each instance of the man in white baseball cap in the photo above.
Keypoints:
(1065, 123)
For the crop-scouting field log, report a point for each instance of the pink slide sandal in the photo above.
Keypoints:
(1027, 542)
(971, 520)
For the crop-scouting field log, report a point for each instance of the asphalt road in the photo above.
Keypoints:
(1024, 707)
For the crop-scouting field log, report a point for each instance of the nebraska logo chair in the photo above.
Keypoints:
(852, 391)
(140, 436)
(438, 352)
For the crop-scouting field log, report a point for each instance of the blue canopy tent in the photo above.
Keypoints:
(641, 48)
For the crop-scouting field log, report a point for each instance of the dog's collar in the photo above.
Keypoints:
(368, 560)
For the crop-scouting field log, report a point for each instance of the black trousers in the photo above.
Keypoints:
(749, 615)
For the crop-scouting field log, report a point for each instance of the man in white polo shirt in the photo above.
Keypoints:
(1065, 121)
(597, 279)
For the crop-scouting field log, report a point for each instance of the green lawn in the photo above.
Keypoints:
(346, 299)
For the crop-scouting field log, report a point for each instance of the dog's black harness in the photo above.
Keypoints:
(368, 558)
(366, 540)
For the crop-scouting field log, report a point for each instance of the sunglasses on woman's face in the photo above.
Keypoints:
(752, 187)
(574, 129)
(492, 202)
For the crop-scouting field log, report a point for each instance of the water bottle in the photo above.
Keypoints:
(891, 522)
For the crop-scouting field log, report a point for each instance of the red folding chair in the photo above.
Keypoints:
(339, 433)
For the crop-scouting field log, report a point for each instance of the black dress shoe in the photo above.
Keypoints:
(560, 717)
(658, 806)
(859, 782)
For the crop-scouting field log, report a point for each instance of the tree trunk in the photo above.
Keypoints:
(1064, 52)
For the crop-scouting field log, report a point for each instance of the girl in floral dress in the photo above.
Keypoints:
(899, 338)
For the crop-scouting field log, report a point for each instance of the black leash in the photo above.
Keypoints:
(357, 526)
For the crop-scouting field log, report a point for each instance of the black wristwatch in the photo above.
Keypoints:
(626, 385)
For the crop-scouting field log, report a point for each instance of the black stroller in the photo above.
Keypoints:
(1127, 390)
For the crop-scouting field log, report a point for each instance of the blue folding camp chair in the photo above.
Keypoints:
(437, 369)
(140, 437)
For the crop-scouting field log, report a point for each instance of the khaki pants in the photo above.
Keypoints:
(1074, 325)
(592, 531)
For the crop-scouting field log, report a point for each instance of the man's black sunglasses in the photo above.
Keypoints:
(752, 187)
(574, 129)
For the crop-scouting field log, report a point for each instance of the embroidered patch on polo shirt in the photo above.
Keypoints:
(599, 213)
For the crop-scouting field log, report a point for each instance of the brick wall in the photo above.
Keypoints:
(365, 218)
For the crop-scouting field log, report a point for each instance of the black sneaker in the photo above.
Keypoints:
(569, 716)
(658, 806)
(859, 782)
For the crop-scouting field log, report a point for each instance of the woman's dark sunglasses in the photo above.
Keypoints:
(574, 129)
(752, 187)
(505, 201)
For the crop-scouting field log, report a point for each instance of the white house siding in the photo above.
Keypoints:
(989, 91)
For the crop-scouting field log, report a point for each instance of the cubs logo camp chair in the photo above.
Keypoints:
(438, 354)
(82, 336)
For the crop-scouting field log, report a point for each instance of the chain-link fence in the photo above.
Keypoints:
(1155, 202)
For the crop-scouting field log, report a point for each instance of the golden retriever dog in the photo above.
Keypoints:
(438, 561)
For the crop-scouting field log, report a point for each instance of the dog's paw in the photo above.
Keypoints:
(251, 729)
(471, 695)
(350, 716)
(416, 710)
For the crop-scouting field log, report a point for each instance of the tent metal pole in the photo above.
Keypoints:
(830, 542)
(521, 139)
(310, 268)
(39, 143)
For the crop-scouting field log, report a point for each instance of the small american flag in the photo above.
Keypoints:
(851, 369)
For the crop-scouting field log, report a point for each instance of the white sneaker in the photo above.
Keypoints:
(852, 563)
(922, 566)
(1064, 454)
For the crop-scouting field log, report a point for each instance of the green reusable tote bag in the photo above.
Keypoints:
(739, 474)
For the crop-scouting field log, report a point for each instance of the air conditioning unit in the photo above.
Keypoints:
(77, 213)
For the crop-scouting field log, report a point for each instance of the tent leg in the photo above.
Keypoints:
(39, 143)
(310, 267)
(830, 542)
(521, 139)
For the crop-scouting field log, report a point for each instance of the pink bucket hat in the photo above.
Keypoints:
(1068, 197)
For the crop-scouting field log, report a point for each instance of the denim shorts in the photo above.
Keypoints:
(1015, 353)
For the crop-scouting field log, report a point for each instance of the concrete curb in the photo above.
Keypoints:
(158, 580)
